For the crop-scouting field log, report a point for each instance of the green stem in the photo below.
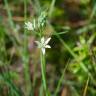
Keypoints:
(26, 57)
(26, 75)
(43, 71)
(61, 80)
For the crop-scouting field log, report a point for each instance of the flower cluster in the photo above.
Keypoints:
(36, 24)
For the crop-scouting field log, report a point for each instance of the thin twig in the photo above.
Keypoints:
(86, 87)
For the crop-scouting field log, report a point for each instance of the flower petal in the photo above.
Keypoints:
(47, 41)
(43, 50)
(47, 46)
(38, 44)
(42, 40)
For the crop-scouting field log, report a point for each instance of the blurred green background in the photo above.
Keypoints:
(72, 59)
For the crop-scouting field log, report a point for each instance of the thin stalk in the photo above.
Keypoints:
(60, 33)
(43, 67)
(60, 81)
(43, 71)
(41, 90)
(9, 15)
(51, 8)
(26, 57)
(92, 13)
(11, 23)
(35, 75)
(86, 87)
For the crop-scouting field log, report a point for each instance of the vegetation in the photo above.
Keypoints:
(67, 28)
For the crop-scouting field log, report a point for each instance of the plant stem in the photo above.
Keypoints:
(86, 87)
(61, 80)
(43, 71)
(26, 57)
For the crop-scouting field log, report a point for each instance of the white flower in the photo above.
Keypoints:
(29, 26)
(43, 44)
